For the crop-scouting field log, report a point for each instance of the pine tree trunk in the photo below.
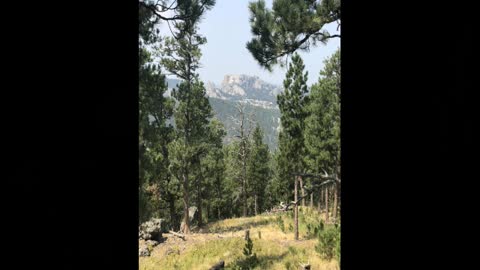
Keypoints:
(256, 205)
(208, 210)
(326, 204)
(244, 199)
(172, 211)
(311, 200)
(245, 206)
(199, 204)
(186, 221)
(331, 199)
(320, 201)
(219, 194)
(296, 209)
(303, 191)
(335, 201)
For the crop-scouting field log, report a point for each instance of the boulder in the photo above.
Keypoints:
(151, 243)
(143, 251)
(151, 230)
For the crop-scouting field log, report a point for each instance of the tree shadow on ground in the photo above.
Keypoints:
(263, 262)
(240, 227)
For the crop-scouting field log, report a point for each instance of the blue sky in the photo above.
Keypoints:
(227, 30)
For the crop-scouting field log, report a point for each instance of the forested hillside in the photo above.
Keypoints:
(245, 148)
(260, 103)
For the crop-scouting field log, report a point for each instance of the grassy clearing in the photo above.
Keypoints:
(275, 249)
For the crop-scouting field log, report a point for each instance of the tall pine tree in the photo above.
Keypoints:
(322, 126)
(292, 103)
(213, 169)
(258, 169)
(193, 112)
(154, 132)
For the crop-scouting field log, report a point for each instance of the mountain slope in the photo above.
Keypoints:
(268, 119)
(259, 98)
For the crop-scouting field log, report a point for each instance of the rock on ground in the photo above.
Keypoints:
(151, 230)
(143, 251)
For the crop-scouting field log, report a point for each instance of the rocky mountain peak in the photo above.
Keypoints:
(245, 87)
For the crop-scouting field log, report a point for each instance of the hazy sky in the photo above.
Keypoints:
(227, 30)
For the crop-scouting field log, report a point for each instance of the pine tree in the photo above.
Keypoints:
(291, 25)
(181, 58)
(154, 132)
(322, 126)
(258, 169)
(232, 180)
(292, 103)
(243, 130)
(159, 8)
(213, 169)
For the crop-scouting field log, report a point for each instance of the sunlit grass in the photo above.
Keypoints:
(275, 249)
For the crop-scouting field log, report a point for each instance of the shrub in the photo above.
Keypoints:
(329, 243)
(250, 260)
(280, 223)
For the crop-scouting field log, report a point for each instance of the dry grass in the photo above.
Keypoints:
(224, 241)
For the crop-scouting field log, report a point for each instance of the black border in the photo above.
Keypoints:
(70, 118)
(72, 135)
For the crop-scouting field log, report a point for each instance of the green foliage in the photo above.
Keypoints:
(213, 169)
(248, 249)
(267, 118)
(232, 183)
(290, 227)
(258, 169)
(181, 56)
(329, 243)
(154, 132)
(250, 260)
(180, 10)
(289, 26)
(292, 104)
(322, 126)
(280, 223)
(168, 157)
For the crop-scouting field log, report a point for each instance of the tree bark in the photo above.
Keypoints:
(219, 195)
(335, 201)
(303, 191)
(244, 182)
(199, 203)
(296, 209)
(320, 201)
(172, 211)
(244, 199)
(311, 200)
(208, 210)
(331, 199)
(326, 204)
(256, 205)
(186, 221)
